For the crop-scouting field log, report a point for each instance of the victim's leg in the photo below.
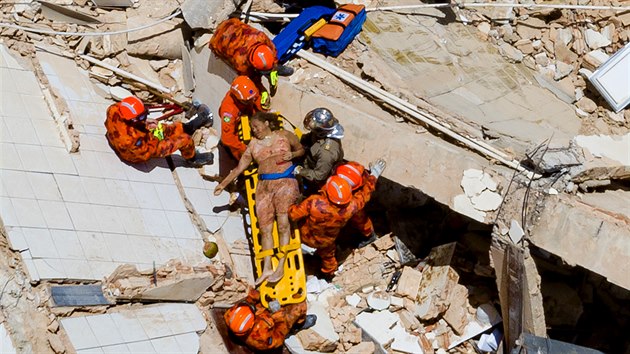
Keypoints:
(266, 240)
(284, 231)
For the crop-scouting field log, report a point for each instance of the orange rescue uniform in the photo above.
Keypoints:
(230, 112)
(320, 221)
(135, 143)
(270, 329)
(361, 221)
(233, 40)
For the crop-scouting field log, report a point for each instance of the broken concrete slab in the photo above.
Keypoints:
(203, 14)
(457, 313)
(612, 147)
(63, 14)
(378, 325)
(379, 300)
(163, 40)
(405, 342)
(438, 280)
(113, 3)
(172, 282)
(487, 201)
(463, 205)
(322, 336)
(516, 231)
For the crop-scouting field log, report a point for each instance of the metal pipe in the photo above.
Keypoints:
(125, 74)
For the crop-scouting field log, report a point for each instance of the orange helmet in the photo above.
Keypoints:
(352, 172)
(131, 107)
(261, 57)
(244, 89)
(241, 319)
(338, 190)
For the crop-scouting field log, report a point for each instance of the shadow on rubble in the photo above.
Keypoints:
(422, 223)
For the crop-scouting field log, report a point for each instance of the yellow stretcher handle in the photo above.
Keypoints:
(314, 28)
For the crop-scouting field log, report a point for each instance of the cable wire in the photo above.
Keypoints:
(85, 34)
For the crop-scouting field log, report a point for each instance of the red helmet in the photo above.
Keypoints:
(338, 190)
(131, 107)
(352, 173)
(261, 57)
(241, 320)
(244, 89)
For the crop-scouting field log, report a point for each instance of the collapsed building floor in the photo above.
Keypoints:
(542, 250)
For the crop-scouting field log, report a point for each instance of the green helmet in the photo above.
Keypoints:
(210, 249)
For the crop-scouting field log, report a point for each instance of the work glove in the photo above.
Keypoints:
(377, 167)
(296, 171)
(158, 132)
(265, 101)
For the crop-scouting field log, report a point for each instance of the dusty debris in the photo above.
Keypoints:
(174, 281)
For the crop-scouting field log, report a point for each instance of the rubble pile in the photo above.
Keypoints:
(175, 281)
(426, 310)
(127, 51)
(563, 47)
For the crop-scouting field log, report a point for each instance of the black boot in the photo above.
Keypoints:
(204, 118)
(368, 241)
(309, 322)
(200, 159)
(284, 70)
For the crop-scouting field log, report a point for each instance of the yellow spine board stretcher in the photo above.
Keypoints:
(291, 289)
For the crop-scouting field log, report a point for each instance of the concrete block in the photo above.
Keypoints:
(409, 283)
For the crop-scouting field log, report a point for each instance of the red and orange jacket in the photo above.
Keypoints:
(324, 220)
(135, 143)
(233, 40)
(270, 329)
(230, 112)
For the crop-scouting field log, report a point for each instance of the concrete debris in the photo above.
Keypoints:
(409, 283)
(614, 148)
(595, 39)
(163, 40)
(487, 201)
(203, 14)
(353, 300)
(379, 300)
(172, 282)
(322, 336)
(362, 348)
(378, 325)
(438, 280)
(113, 3)
(516, 232)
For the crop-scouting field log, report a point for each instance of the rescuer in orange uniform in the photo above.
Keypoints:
(263, 329)
(249, 52)
(321, 216)
(356, 175)
(137, 139)
(243, 99)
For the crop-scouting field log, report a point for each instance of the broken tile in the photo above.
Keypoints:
(462, 205)
(15, 236)
(353, 300)
(516, 231)
(487, 201)
(378, 325)
(405, 342)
